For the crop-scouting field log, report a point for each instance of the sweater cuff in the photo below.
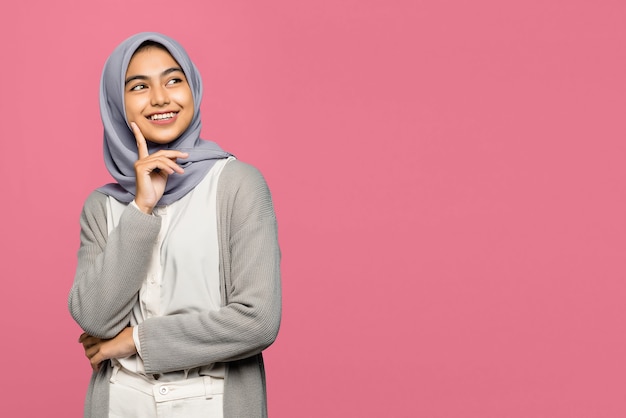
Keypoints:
(134, 204)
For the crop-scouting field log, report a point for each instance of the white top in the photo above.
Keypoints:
(184, 271)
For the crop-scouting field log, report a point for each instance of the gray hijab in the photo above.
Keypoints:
(120, 146)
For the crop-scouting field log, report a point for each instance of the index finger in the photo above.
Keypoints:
(142, 147)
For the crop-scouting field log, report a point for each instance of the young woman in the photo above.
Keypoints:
(177, 286)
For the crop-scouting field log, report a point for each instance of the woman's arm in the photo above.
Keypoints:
(97, 350)
(250, 270)
(111, 268)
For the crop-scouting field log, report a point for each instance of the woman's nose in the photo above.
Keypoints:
(159, 96)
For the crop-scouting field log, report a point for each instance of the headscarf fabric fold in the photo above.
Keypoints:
(120, 146)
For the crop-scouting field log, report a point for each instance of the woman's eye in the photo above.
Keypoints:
(174, 81)
(138, 87)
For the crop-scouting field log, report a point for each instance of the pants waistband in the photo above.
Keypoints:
(202, 386)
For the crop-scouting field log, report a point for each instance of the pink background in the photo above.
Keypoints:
(448, 178)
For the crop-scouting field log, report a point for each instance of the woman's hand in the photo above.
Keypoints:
(152, 171)
(98, 350)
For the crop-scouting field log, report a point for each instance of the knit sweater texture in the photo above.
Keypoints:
(112, 267)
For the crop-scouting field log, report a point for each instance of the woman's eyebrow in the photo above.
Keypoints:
(145, 77)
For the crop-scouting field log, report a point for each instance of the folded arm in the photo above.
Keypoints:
(111, 268)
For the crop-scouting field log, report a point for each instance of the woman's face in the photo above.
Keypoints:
(157, 96)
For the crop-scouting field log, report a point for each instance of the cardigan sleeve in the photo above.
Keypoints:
(111, 267)
(249, 319)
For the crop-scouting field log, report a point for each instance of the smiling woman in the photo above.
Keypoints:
(177, 287)
(157, 96)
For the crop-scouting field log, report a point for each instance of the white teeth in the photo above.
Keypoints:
(161, 116)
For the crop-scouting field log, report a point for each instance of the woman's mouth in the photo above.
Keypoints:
(162, 116)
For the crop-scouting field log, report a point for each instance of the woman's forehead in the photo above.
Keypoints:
(152, 58)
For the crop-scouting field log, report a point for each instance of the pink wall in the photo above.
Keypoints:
(448, 177)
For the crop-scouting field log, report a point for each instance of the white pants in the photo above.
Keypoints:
(135, 396)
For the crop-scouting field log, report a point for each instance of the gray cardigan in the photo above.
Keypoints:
(111, 269)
